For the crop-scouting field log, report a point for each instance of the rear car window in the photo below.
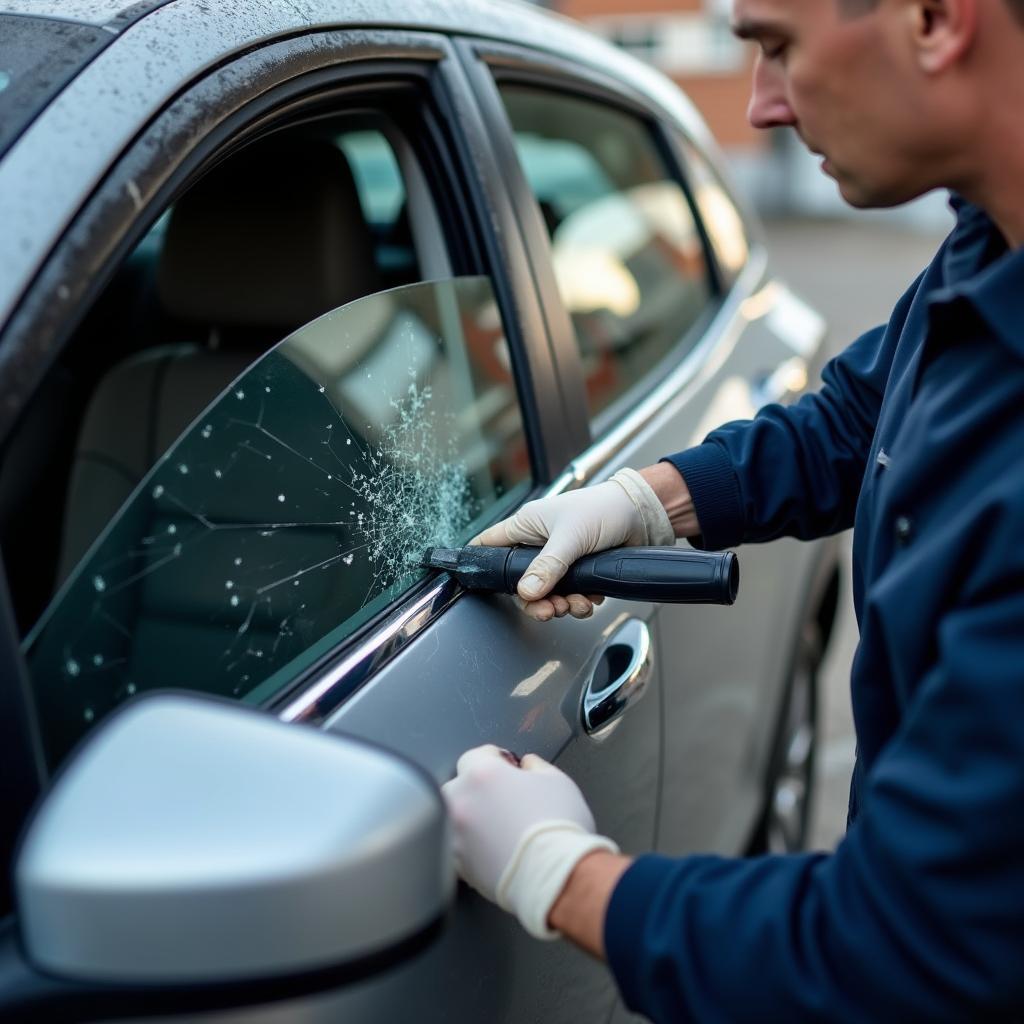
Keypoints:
(628, 255)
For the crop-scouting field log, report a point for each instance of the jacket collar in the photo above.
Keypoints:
(981, 270)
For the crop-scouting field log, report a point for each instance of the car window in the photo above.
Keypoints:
(295, 507)
(628, 255)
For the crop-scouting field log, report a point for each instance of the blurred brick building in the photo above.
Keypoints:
(690, 41)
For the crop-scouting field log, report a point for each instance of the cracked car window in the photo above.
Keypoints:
(292, 510)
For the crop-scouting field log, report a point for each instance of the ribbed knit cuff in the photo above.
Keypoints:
(711, 481)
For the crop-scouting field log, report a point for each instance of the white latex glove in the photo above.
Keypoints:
(619, 512)
(519, 832)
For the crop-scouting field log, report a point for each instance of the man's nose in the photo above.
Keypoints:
(768, 107)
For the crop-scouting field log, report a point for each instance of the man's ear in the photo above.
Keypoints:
(943, 31)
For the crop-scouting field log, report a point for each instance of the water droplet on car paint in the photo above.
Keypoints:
(158, 490)
(229, 584)
(234, 600)
(182, 469)
(99, 584)
(296, 583)
(280, 497)
(267, 390)
(239, 394)
(207, 430)
(72, 667)
(217, 473)
(88, 714)
(348, 440)
(172, 528)
(238, 561)
(348, 559)
(5, 80)
(130, 689)
(97, 660)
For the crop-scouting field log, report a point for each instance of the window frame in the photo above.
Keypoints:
(497, 64)
(276, 92)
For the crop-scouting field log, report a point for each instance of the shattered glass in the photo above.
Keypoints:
(292, 510)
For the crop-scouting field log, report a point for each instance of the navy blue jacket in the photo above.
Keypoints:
(917, 440)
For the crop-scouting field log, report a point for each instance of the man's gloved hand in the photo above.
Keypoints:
(519, 831)
(621, 511)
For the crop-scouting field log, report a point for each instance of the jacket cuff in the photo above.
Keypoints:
(711, 481)
(624, 922)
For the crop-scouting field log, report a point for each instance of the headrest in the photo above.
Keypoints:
(273, 237)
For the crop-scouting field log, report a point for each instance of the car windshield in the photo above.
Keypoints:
(292, 510)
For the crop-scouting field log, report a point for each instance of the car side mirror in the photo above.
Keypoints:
(195, 854)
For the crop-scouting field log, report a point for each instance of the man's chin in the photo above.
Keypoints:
(857, 198)
(864, 196)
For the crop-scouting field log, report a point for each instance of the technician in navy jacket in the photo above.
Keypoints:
(916, 439)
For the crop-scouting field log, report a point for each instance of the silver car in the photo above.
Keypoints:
(290, 292)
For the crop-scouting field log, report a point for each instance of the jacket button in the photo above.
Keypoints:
(904, 527)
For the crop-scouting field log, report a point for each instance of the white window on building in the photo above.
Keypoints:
(688, 43)
(639, 37)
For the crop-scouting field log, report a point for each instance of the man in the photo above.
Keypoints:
(917, 439)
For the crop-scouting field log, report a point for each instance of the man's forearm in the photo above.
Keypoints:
(579, 911)
(670, 487)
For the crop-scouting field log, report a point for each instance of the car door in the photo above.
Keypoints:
(663, 305)
(261, 542)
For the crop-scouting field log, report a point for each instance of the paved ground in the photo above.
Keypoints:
(852, 272)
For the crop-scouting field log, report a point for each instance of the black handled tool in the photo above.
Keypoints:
(666, 575)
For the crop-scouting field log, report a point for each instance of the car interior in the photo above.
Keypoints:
(278, 233)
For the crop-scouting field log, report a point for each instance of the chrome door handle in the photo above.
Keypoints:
(621, 676)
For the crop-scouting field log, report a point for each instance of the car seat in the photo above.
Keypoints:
(267, 241)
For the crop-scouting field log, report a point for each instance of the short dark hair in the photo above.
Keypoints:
(855, 8)
(1017, 6)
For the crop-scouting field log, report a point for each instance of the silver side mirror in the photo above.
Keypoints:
(197, 843)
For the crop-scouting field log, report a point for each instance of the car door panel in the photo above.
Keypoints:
(483, 672)
(486, 673)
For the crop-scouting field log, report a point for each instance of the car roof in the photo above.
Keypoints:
(91, 12)
(77, 120)
(511, 21)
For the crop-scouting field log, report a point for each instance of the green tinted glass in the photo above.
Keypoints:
(293, 509)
